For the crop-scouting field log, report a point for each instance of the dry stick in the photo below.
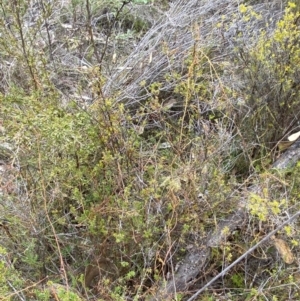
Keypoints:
(243, 256)
(46, 20)
(110, 29)
(16, 8)
(90, 30)
(18, 292)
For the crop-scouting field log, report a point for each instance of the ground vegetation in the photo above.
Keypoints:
(149, 150)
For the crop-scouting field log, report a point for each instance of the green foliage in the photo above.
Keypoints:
(237, 280)
(10, 280)
(4, 288)
(94, 170)
(263, 207)
(128, 191)
(66, 295)
(271, 92)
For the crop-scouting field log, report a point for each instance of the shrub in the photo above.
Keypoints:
(270, 75)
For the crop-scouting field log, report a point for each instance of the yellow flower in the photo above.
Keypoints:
(243, 8)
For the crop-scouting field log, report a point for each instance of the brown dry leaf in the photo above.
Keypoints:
(284, 250)
(283, 145)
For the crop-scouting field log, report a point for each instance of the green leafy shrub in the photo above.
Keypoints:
(126, 195)
(271, 86)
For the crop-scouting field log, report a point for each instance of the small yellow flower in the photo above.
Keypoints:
(291, 4)
(243, 8)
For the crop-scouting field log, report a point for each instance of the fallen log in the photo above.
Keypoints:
(198, 257)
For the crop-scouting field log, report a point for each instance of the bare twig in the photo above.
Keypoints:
(16, 7)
